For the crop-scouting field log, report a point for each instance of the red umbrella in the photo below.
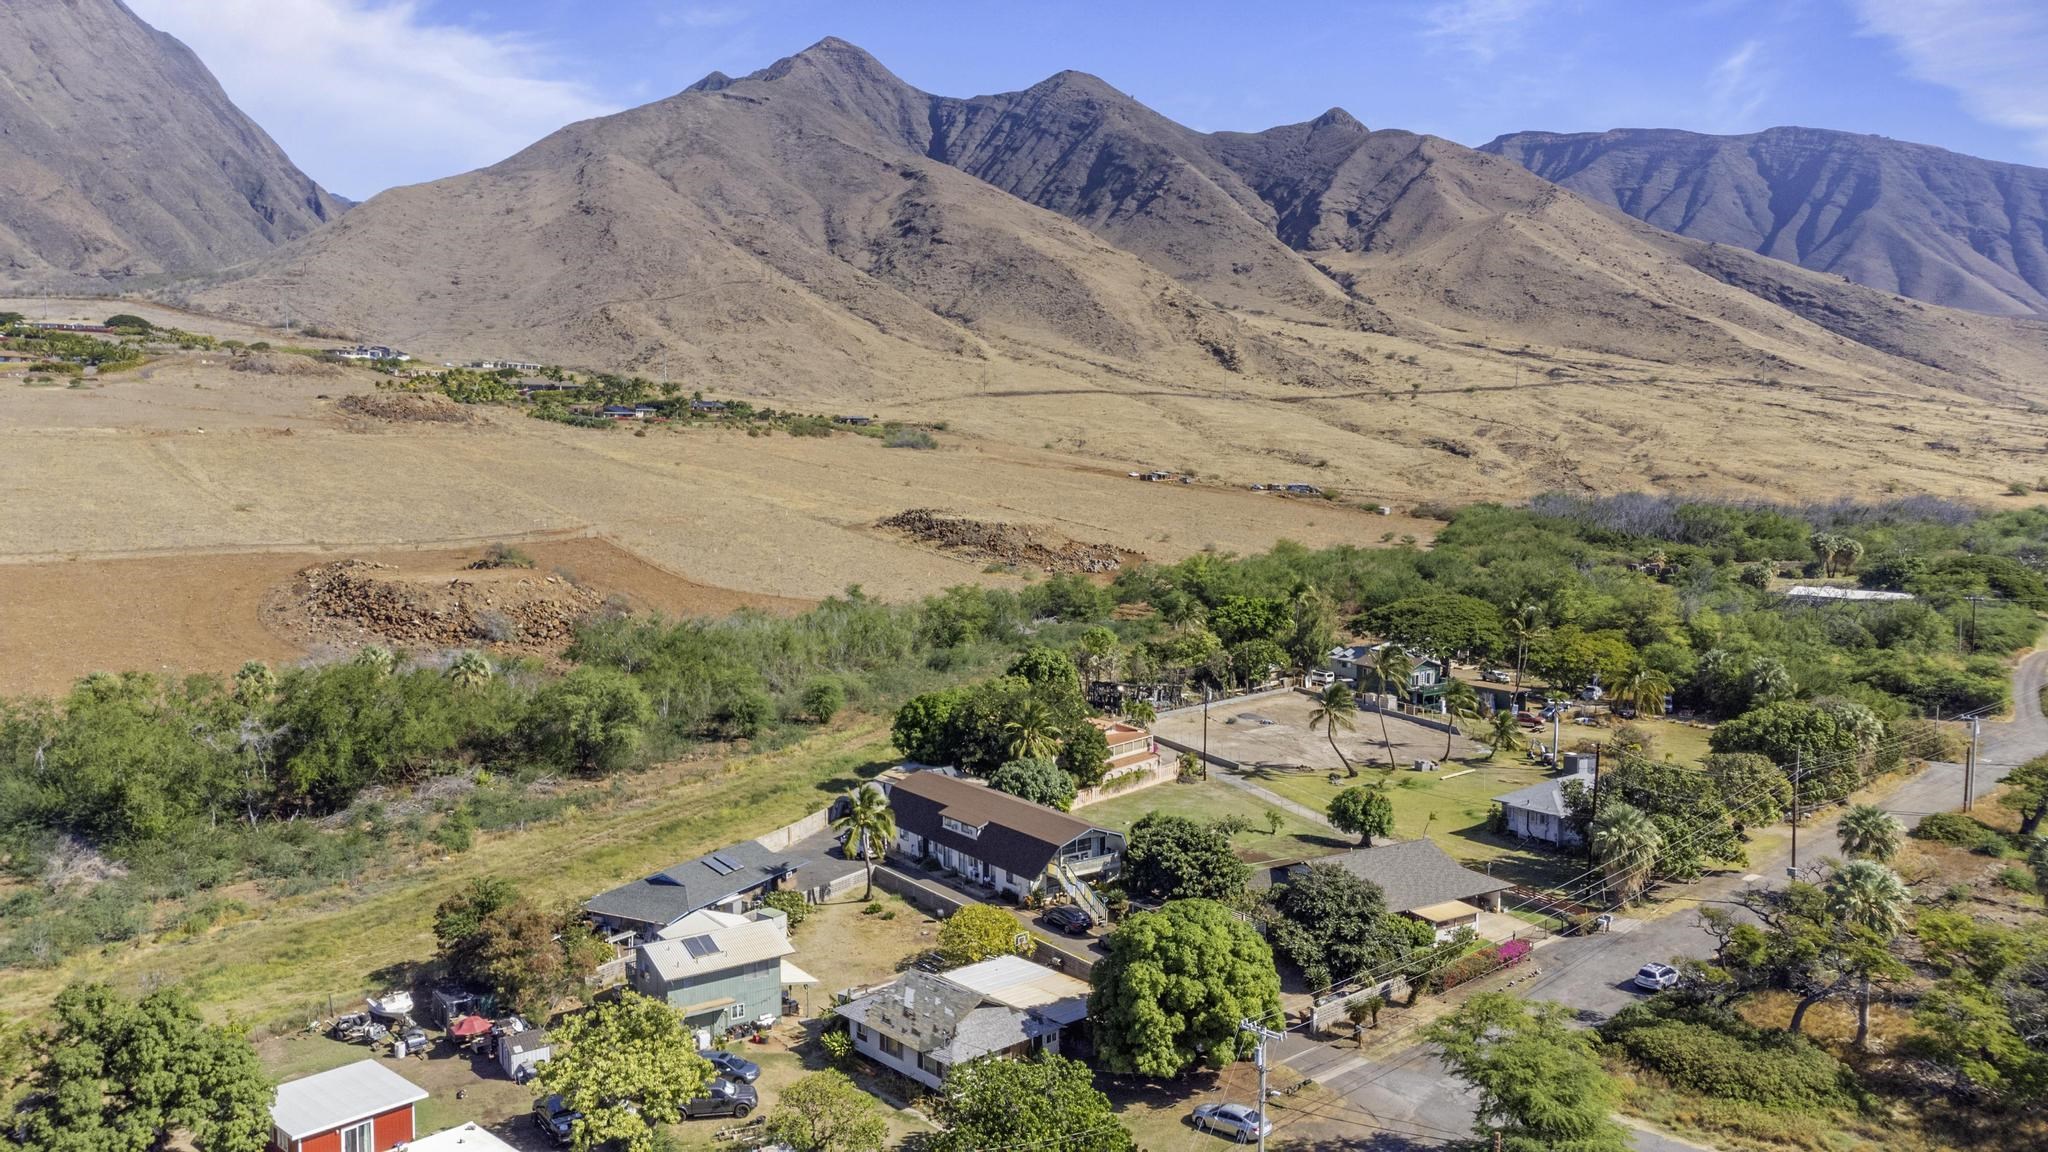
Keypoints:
(467, 1026)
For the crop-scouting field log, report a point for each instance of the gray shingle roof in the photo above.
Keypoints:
(675, 892)
(1413, 874)
(941, 1019)
(1546, 797)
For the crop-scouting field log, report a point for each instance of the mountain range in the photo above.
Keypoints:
(120, 157)
(1922, 222)
(1063, 264)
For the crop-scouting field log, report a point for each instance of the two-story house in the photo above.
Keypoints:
(1355, 663)
(1130, 747)
(993, 838)
(927, 1023)
(359, 1107)
(720, 969)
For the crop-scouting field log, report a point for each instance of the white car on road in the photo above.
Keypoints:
(1237, 1121)
(1656, 977)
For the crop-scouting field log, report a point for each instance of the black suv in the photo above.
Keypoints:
(555, 1118)
(722, 1097)
(1070, 919)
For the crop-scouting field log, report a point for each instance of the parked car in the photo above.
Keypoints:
(555, 1118)
(1527, 721)
(1237, 1121)
(1656, 977)
(1497, 676)
(1069, 918)
(722, 1097)
(1321, 679)
(732, 1065)
(1625, 711)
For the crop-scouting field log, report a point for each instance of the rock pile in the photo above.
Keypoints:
(1024, 546)
(356, 602)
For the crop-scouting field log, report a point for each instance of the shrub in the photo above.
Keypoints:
(790, 904)
(838, 1047)
(1468, 968)
(1958, 830)
(808, 426)
(504, 556)
(2017, 879)
(823, 698)
(1716, 1053)
(874, 908)
(900, 436)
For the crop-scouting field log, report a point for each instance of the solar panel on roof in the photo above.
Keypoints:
(731, 865)
(700, 946)
(719, 864)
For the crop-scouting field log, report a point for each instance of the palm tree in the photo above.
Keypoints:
(1034, 732)
(1869, 833)
(470, 669)
(1335, 708)
(1626, 842)
(1505, 734)
(1460, 703)
(1141, 713)
(870, 822)
(377, 657)
(1525, 627)
(1870, 896)
(1644, 689)
(1393, 668)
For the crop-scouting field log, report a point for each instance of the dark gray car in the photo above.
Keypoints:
(722, 1097)
(732, 1065)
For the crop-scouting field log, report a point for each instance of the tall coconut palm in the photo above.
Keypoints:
(470, 669)
(1870, 896)
(1033, 732)
(1524, 627)
(869, 824)
(1644, 689)
(1461, 702)
(1504, 734)
(1336, 709)
(1393, 668)
(1626, 842)
(1869, 833)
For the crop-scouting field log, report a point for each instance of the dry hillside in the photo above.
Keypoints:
(120, 157)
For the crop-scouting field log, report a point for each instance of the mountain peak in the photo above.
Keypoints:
(1336, 118)
(712, 82)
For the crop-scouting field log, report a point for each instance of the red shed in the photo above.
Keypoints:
(360, 1107)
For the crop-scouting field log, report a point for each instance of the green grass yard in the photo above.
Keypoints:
(1211, 800)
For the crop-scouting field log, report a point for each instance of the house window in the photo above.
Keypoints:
(930, 1065)
(891, 1046)
(971, 831)
(361, 1138)
(860, 1032)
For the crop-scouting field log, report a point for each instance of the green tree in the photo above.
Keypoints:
(1444, 624)
(1364, 812)
(1033, 731)
(593, 718)
(1794, 731)
(924, 727)
(2037, 859)
(534, 958)
(1084, 755)
(627, 1066)
(1363, 1009)
(978, 932)
(1050, 671)
(255, 684)
(1625, 843)
(1313, 628)
(1755, 790)
(1393, 669)
(460, 917)
(1460, 702)
(1504, 734)
(827, 1112)
(1240, 619)
(1799, 941)
(869, 826)
(1039, 780)
(1141, 713)
(1867, 895)
(1175, 986)
(1643, 689)
(1333, 925)
(1572, 657)
(1047, 1101)
(1869, 832)
(2026, 792)
(1541, 1086)
(824, 698)
(1168, 857)
(1335, 709)
(123, 1075)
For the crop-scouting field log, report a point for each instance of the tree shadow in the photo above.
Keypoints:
(840, 785)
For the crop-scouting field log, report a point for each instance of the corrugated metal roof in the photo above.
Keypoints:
(1546, 797)
(1442, 913)
(339, 1097)
(468, 1138)
(1016, 982)
(673, 961)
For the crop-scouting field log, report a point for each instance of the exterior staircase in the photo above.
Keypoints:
(1078, 890)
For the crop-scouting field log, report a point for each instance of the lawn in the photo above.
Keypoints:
(1210, 800)
(285, 967)
(1685, 743)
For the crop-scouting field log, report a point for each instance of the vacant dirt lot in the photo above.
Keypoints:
(204, 611)
(1272, 732)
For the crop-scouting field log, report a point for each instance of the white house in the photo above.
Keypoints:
(926, 1023)
(1538, 812)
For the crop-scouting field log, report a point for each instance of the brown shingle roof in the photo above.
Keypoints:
(1016, 835)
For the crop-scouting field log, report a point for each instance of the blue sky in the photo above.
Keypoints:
(367, 94)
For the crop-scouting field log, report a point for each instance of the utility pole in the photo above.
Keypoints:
(1798, 769)
(1970, 763)
(1205, 731)
(1265, 1035)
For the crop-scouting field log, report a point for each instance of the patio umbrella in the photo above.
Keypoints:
(468, 1026)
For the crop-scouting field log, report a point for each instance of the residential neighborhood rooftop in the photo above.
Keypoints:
(675, 892)
(328, 1100)
(1413, 874)
(1015, 835)
(716, 950)
(467, 1138)
(1015, 982)
(1546, 797)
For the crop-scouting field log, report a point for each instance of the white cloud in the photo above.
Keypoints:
(1738, 86)
(704, 16)
(1482, 28)
(1993, 53)
(367, 94)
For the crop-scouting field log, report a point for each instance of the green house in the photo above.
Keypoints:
(720, 969)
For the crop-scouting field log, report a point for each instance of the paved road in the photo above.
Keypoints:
(1410, 1098)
